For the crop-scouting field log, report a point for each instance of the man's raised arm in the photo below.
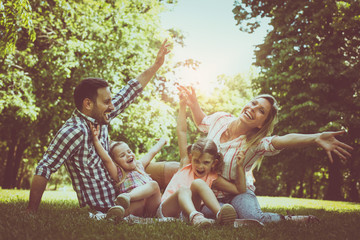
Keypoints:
(148, 74)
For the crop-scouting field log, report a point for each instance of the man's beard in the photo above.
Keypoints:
(99, 117)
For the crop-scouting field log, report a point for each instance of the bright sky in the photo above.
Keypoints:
(212, 38)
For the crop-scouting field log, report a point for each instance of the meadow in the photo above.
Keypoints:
(59, 217)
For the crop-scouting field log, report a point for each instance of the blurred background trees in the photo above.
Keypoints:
(115, 40)
(309, 61)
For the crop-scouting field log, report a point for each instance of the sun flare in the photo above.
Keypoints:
(202, 78)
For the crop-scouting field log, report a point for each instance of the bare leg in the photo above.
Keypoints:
(171, 207)
(186, 202)
(136, 208)
(152, 203)
(189, 200)
(182, 199)
(201, 191)
(144, 191)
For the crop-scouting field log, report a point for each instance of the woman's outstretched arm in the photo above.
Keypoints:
(325, 140)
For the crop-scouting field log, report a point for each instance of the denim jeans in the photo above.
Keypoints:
(247, 207)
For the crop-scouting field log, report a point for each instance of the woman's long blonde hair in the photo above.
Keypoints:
(259, 133)
(113, 145)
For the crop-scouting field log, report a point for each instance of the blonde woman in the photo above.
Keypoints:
(250, 132)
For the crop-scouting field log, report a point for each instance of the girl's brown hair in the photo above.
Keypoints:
(113, 145)
(206, 145)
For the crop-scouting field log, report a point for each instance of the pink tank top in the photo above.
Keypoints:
(183, 178)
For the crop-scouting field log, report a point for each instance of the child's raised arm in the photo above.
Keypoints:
(240, 183)
(181, 129)
(108, 162)
(145, 160)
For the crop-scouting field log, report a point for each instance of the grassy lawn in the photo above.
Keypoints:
(59, 217)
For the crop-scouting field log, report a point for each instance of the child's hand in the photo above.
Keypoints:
(95, 131)
(240, 159)
(183, 98)
(163, 141)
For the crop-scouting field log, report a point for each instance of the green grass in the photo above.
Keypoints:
(59, 217)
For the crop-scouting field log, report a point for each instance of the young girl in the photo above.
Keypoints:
(138, 191)
(199, 167)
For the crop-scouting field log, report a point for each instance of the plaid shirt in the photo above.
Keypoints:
(73, 146)
(215, 125)
(133, 179)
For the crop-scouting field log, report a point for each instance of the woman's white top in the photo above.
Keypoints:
(215, 125)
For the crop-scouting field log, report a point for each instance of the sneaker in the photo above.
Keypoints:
(123, 200)
(115, 213)
(227, 214)
(200, 221)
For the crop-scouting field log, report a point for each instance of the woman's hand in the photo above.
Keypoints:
(188, 95)
(329, 143)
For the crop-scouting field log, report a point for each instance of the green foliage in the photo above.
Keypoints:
(15, 20)
(309, 61)
(59, 217)
(115, 40)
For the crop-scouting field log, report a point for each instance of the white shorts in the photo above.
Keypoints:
(159, 214)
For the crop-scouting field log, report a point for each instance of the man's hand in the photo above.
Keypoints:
(148, 74)
(38, 186)
(163, 51)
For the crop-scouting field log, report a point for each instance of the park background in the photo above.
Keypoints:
(308, 59)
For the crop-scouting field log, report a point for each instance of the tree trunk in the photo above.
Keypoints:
(6, 184)
(354, 177)
(16, 150)
(335, 181)
(311, 184)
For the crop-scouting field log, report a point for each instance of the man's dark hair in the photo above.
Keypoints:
(87, 88)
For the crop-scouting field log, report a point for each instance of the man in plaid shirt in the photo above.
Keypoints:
(73, 145)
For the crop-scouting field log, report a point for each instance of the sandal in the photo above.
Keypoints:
(301, 218)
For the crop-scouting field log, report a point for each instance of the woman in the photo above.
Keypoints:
(250, 133)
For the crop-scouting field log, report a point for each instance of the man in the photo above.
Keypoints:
(73, 146)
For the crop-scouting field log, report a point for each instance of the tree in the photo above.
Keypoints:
(15, 17)
(309, 61)
(115, 40)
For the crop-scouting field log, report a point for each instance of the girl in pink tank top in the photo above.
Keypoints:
(190, 187)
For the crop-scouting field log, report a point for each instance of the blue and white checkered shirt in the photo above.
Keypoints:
(73, 146)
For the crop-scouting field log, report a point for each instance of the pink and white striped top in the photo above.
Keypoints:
(215, 125)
